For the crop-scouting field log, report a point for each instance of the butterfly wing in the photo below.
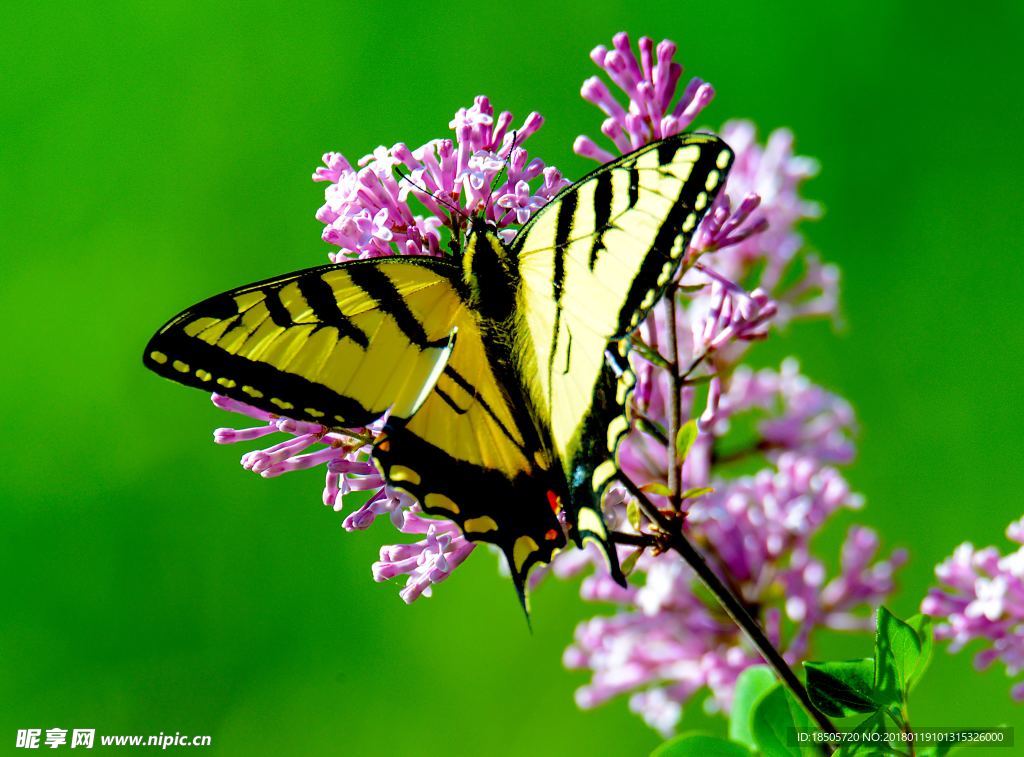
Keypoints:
(341, 345)
(337, 345)
(592, 263)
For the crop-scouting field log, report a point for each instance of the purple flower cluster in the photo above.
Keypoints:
(650, 84)
(981, 597)
(345, 457)
(667, 641)
(399, 201)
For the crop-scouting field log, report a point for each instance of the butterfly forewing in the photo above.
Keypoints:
(592, 264)
(317, 345)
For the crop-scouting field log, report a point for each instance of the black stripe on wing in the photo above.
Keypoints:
(469, 389)
(645, 287)
(214, 369)
(321, 298)
(379, 286)
(563, 233)
(602, 214)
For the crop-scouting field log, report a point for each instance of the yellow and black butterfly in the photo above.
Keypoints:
(506, 393)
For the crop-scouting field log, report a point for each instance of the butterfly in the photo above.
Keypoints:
(503, 371)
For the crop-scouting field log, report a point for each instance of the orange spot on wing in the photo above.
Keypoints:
(555, 501)
(551, 535)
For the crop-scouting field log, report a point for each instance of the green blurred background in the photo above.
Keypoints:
(155, 153)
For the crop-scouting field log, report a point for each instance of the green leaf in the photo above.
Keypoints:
(656, 488)
(630, 562)
(700, 745)
(922, 626)
(685, 438)
(650, 355)
(841, 689)
(699, 491)
(750, 686)
(776, 715)
(633, 514)
(897, 658)
(704, 378)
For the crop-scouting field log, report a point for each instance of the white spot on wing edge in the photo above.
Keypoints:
(618, 426)
(589, 520)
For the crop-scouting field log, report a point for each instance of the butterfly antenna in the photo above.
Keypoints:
(453, 244)
(504, 166)
(403, 175)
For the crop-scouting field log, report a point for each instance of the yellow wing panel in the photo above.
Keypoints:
(338, 345)
(592, 263)
(596, 259)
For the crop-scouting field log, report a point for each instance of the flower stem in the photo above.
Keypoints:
(672, 530)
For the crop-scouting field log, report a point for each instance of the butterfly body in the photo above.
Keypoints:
(505, 394)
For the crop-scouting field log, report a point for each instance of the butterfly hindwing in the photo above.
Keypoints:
(471, 453)
(592, 263)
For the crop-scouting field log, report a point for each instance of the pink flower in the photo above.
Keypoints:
(521, 201)
(980, 597)
(426, 562)
(650, 86)
(402, 201)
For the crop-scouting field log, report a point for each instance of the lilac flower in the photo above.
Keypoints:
(650, 85)
(426, 562)
(804, 417)
(521, 201)
(667, 641)
(754, 218)
(980, 596)
(369, 211)
(756, 532)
